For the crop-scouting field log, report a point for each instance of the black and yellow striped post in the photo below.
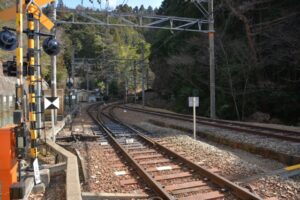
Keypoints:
(19, 56)
(32, 79)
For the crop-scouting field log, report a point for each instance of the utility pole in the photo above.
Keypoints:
(126, 89)
(147, 78)
(87, 78)
(134, 80)
(71, 81)
(72, 67)
(211, 37)
(53, 74)
(143, 74)
(107, 87)
(39, 79)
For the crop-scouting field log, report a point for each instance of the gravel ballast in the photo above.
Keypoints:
(232, 163)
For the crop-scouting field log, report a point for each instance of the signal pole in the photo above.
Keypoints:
(32, 79)
(39, 79)
(211, 37)
(20, 99)
(53, 72)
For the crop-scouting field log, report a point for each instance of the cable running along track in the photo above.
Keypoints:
(169, 174)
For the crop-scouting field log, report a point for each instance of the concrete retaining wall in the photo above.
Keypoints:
(73, 190)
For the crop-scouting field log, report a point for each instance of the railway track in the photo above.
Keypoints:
(287, 135)
(130, 186)
(169, 174)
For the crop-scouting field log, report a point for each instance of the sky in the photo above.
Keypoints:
(113, 3)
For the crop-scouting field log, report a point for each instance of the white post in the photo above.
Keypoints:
(194, 116)
(53, 125)
(53, 74)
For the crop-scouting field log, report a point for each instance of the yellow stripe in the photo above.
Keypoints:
(19, 22)
(31, 61)
(291, 168)
(34, 152)
(34, 134)
(31, 25)
(31, 43)
(19, 54)
(31, 98)
(32, 117)
(32, 79)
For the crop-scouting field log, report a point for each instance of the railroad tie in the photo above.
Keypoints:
(205, 196)
(185, 185)
(173, 176)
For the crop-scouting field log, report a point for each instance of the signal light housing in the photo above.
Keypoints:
(51, 46)
(10, 68)
(8, 40)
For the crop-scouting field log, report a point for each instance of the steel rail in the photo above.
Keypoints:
(157, 187)
(215, 178)
(229, 122)
(257, 130)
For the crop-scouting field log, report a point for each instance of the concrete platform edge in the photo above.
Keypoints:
(73, 189)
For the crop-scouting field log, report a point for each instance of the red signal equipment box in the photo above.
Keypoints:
(8, 161)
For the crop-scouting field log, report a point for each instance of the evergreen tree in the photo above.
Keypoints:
(135, 9)
(150, 10)
(142, 9)
(60, 4)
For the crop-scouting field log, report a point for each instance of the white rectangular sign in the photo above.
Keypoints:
(120, 173)
(193, 100)
(37, 176)
(103, 143)
(129, 141)
(163, 168)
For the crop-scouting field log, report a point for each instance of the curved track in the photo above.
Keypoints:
(288, 135)
(169, 174)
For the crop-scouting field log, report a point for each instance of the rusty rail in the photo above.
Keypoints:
(216, 179)
(154, 184)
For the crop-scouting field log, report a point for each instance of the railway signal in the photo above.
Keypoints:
(14, 188)
(51, 46)
(8, 40)
(10, 68)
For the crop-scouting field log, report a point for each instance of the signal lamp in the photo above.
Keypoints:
(8, 40)
(10, 68)
(51, 46)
